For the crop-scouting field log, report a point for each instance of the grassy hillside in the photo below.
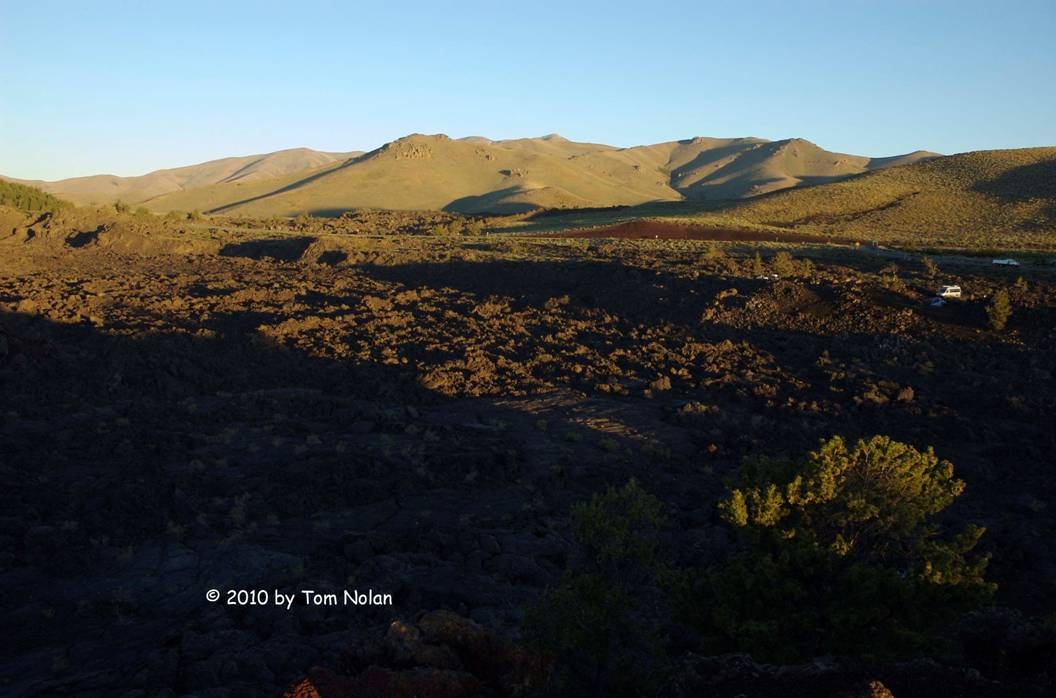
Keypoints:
(217, 196)
(28, 198)
(986, 199)
(475, 175)
(999, 197)
(101, 189)
(436, 172)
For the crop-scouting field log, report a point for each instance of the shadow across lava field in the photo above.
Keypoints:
(419, 423)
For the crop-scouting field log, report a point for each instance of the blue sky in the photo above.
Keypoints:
(128, 87)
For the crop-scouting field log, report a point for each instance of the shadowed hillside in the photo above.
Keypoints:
(711, 168)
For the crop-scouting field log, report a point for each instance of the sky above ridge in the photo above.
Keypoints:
(129, 87)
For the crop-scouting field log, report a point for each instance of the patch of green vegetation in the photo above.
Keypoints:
(784, 265)
(757, 265)
(473, 227)
(453, 227)
(999, 310)
(892, 281)
(593, 624)
(839, 554)
(714, 252)
(28, 198)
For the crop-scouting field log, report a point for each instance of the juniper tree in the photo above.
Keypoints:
(999, 310)
(840, 554)
(595, 622)
(784, 265)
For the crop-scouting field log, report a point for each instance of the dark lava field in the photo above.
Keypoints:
(415, 416)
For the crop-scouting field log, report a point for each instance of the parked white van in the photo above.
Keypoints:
(949, 292)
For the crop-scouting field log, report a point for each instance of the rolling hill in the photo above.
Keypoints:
(1004, 197)
(101, 189)
(477, 175)
(994, 199)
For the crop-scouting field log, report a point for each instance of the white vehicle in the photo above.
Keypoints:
(949, 292)
(1008, 262)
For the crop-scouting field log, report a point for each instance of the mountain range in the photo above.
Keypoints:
(478, 175)
(100, 189)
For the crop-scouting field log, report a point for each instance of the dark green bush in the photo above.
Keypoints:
(999, 310)
(599, 623)
(839, 555)
(28, 198)
(784, 265)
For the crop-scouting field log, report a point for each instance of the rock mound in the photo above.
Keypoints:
(441, 655)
